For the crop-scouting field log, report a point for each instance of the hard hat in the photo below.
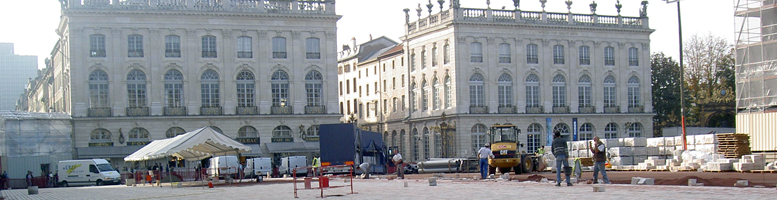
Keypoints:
(488, 145)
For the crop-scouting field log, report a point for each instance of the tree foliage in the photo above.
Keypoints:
(709, 75)
(666, 92)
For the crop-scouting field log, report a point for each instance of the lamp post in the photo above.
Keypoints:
(682, 72)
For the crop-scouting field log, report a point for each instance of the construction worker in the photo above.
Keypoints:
(600, 157)
(484, 154)
(316, 164)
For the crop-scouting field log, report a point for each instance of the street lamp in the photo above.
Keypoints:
(682, 72)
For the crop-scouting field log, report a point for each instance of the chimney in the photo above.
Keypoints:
(370, 37)
(354, 43)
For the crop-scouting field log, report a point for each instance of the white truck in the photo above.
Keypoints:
(289, 163)
(256, 167)
(87, 172)
(223, 165)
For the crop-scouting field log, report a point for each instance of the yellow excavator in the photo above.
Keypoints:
(506, 148)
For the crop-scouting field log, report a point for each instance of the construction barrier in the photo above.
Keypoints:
(323, 180)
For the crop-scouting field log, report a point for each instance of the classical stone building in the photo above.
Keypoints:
(130, 72)
(584, 75)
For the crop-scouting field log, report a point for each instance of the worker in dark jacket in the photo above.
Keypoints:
(560, 152)
(600, 157)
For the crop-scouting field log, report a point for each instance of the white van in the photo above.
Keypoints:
(289, 163)
(87, 172)
(223, 165)
(258, 167)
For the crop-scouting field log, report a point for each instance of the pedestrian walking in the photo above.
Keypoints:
(400, 165)
(600, 157)
(3, 180)
(29, 178)
(560, 149)
(365, 167)
(484, 154)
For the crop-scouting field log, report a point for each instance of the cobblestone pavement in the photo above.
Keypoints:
(393, 189)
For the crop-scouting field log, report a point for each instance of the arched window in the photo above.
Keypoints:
(415, 140)
(314, 88)
(633, 86)
(280, 88)
(635, 130)
(534, 137)
(611, 131)
(98, 89)
(609, 92)
(447, 91)
(100, 135)
(532, 90)
(426, 139)
(247, 132)
(136, 89)
(584, 91)
(479, 137)
(435, 94)
(394, 138)
(437, 144)
(505, 90)
(563, 129)
(312, 131)
(210, 88)
(174, 89)
(138, 135)
(559, 91)
(174, 131)
(246, 92)
(424, 97)
(217, 129)
(282, 134)
(477, 96)
(586, 131)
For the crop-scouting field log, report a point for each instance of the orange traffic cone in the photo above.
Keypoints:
(210, 184)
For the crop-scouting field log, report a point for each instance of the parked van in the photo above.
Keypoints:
(87, 172)
(223, 165)
(289, 163)
(258, 167)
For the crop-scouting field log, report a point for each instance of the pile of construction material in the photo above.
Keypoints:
(733, 145)
(750, 162)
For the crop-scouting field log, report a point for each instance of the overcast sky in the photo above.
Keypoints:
(30, 24)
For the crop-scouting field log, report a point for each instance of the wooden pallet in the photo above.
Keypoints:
(763, 171)
(718, 171)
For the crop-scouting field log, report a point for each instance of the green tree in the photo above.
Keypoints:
(710, 78)
(665, 81)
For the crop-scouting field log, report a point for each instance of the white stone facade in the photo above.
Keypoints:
(261, 72)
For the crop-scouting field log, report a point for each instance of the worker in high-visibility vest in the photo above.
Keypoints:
(316, 164)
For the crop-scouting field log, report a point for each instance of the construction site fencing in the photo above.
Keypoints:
(318, 175)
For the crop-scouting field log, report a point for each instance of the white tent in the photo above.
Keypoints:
(194, 145)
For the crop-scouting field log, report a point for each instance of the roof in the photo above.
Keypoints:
(369, 48)
(194, 145)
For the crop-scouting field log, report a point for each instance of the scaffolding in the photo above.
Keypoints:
(756, 55)
(25, 134)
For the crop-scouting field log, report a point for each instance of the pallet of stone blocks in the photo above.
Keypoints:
(749, 162)
(733, 145)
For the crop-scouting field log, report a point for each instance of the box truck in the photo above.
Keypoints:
(289, 163)
(222, 166)
(87, 172)
(346, 144)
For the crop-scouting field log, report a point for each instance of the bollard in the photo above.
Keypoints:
(691, 182)
(32, 190)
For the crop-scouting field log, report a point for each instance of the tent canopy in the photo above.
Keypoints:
(197, 144)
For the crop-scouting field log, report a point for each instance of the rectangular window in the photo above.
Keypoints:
(476, 96)
(174, 94)
(394, 104)
(559, 96)
(609, 96)
(97, 45)
(348, 86)
(172, 46)
(585, 55)
(633, 96)
(446, 54)
(360, 91)
(376, 87)
(505, 95)
(209, 46)
(385, 105)
(135, 46)
(279, 47)
(633, 57)
(384, 85)
(504, 53)
(210, 95)
(245, 93)
(367, 87)
(531, 54)
(394, 83)
(354, 84)
(476, 52)
(423, 60)
(348, 104)
(533, 96)
(341, 88)
(434, 56)
(609, 56)
(403, 80)
(244, 49)
(312, 48)
(403, 102)
(412, 62)
(584, 96)
(558, 54)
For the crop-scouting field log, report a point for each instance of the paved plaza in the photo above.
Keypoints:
(395, 189)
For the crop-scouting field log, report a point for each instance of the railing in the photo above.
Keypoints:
(632, 21)
(478, 109)
(281, 110)
(99, 112)
(247, 110)
(531, 16)
(608, 20)
(211, 110)
(315, 109)
(612, 109)
(534, 109)
(267, 6)
(245, 54)
(422, 23)
(433, 19)
(313, 55)
(588, 109)
(583, 19)
(476, 58)
(209, 54)
(557, 18)
(560, 109)
(636, 109)
(474, 14)
(137, 111)
(175, 111)
(172, 54)
(506, 109)
(503, 16)
(278, 54)
(445, 15)
(504, 59)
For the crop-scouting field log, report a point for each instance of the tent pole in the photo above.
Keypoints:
(168, 172)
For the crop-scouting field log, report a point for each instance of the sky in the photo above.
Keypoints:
(31, 24)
